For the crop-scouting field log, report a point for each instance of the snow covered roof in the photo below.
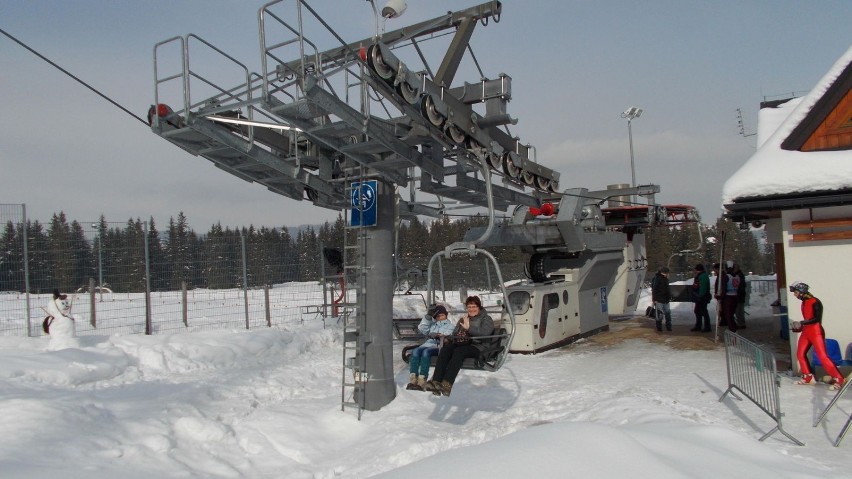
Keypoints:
(775, 172)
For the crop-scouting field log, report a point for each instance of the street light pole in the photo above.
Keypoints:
(630, 114)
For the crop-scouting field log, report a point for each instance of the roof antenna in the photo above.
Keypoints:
(741, 125)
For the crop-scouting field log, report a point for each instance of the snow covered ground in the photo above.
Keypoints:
(266, 403)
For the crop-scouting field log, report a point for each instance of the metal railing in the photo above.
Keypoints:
(752, 372)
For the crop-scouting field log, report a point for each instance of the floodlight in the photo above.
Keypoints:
(394, 8)
(632, 112)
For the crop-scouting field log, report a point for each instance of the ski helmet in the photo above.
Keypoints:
(799, 286)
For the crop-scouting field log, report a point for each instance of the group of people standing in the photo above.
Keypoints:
(730, 291)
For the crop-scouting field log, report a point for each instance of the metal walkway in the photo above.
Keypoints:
(310, 115)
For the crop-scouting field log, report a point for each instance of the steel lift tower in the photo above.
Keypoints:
(367, 127)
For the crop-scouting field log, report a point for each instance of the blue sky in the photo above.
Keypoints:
(575, 67)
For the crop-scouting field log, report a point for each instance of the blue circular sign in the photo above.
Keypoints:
(363, 197)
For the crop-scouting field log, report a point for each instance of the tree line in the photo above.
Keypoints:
(62, 256)
(682, 247)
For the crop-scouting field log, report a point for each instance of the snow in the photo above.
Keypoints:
(774, 171)
(266, 403)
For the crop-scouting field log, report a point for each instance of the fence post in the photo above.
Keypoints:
(184, 304)
(92, 314)
(26, 268)
(441, 274)
(266, 305)
(327, 298)
(245, 278)
(148, 325)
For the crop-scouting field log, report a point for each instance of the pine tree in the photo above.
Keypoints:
(12, 258)
(134, 238)
(217, 259)
(179, 253)
(309, 255)
(41, 274)
(83, 266)
(157, 265)
(62, 262)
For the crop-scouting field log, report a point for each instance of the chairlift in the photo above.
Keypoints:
(408, 310)
(497, 344)
(494, 354)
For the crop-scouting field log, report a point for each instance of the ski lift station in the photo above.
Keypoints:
(382, 127)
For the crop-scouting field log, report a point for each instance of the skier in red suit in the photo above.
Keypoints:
(812, 334)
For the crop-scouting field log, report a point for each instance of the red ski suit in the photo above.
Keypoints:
(813, 335)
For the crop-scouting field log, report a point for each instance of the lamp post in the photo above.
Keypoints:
(100, 259)
(630, 114)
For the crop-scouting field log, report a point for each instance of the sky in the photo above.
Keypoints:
(266, 403)
(575, 67)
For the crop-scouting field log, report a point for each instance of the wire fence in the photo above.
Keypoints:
(124, 278)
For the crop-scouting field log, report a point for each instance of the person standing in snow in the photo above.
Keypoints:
(462, 345)
(726, 295)
(701, 297)
(719, 317)
(661, 296)
(434, 326)
(742, 293)
(812, 334)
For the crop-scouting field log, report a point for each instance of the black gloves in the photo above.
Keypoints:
(433, 310)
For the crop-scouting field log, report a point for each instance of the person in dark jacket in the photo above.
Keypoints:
(727, 295)
(661, 296)
(812, 334)
(742, 292)
(701, 297)
(717, 272)
(460, 345)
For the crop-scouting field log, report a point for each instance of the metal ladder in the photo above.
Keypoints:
(354, 375)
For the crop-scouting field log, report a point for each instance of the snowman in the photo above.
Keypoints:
(59, 323)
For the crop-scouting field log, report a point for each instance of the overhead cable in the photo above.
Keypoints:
(4, 32)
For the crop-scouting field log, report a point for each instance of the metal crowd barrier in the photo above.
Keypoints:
(752, 372)
(845, 428)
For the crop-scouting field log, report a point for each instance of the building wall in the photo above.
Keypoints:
(825, 266)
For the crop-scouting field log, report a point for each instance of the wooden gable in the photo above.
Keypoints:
(828, 126)
(835, 132)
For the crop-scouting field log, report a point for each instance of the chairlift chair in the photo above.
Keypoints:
(493, 356)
